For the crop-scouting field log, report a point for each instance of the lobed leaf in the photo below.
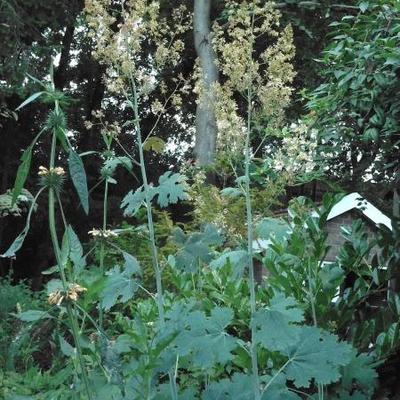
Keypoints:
(204, 340)
(171, 189)
(133, 201)
(120, 286)
(318, 355)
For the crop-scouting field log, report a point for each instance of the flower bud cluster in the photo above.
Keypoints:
(73, 292)
(43, 171)
(51, 177)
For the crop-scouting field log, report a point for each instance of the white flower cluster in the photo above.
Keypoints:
(103, 234)
(297, 153)
(255, 61)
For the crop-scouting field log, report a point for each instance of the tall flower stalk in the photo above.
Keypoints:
(150, 223)
(249, 217)
(260, 76)
(57, 252)
(102, 244)
(149, 212)
(141, 23)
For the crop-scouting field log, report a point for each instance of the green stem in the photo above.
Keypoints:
(249, 216)
(311, 296)
(277, 374)
(102, 247)
(56, 248)
(150, 224)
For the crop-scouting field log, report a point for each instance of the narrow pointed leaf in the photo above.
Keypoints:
(32, 315)
(29, 100)
(78, 176)
(23, 169)
(18, 242)
(22, 174)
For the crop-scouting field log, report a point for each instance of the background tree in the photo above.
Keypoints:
(206, 126)
(356, 107)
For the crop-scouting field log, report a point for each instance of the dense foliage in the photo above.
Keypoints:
(160, 278)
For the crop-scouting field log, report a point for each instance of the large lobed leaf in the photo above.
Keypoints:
(195, 248)
(133, 201)
(120, 285)
(171, 189)
(204, 340)
(318, 355)
(238, 259)
(240, 387)
(275, 329)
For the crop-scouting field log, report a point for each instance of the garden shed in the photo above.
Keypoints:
(350, 208)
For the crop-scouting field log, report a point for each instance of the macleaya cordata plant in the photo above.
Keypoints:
(120, 32)
(261, 78)
(255, 87)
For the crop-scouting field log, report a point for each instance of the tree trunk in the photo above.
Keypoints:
(206, 127)
(60, 78)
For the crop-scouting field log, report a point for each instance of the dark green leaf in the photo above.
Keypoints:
(275, 228)
(65, 347)
(238, 259)
(275, 328)
(32, 315)
(318, 355)
(78, 176)
(18, 242)
(204, 339)
(22, 173)
(120, 287)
